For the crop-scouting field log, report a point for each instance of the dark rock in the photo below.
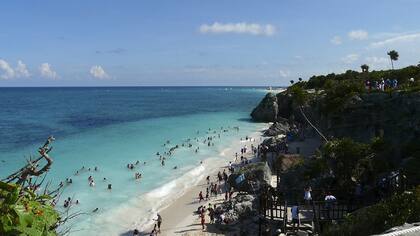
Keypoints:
(256, 175)
(375, 114)
(267, 110)
(281, 127)
(240, 208)
(285, 105)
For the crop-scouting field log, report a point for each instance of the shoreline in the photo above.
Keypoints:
(139, 212)
(178, 216)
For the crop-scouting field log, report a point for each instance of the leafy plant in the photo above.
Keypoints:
(299, 95)
(338, 93)
(397, 210)
(24, 213)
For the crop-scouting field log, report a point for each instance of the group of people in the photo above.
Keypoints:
(220, 186)
(381, 85)
(329, 201)
(156, 228)
(91, 182)
(213, 189)
(69, 201)
(194, 143)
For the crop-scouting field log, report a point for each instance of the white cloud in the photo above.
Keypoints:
(238, 28)
(377, 62)
(47, 72)
(350, 58)
(358, 34)
(98, 72)
(336, 40)
(284, 73)
(404, 38)
(21, 70)
(8, 72)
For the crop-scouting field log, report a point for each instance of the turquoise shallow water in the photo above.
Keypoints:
(91, 129)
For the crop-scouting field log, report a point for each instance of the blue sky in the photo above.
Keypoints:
(142, 43)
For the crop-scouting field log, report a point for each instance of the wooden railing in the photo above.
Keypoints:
(274, 208)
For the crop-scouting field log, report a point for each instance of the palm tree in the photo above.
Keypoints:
(393, 55)
(292, 81)
(365, 68)
(300, 79)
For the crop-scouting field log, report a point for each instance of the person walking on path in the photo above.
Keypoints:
(295, 217)
(307, 196)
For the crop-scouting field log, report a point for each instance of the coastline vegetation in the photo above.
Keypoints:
(345, 165)
(394, 211)
(402, 75)
(24, 212)
(24, 209)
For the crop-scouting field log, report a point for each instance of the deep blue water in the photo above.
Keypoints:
(29, 115)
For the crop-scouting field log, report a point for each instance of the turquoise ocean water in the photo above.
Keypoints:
(111, 127)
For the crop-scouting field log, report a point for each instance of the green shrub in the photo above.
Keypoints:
(338, 93)
(299, 95)
(377, 218)
(349, 160)
(401, 75)
(22, 212)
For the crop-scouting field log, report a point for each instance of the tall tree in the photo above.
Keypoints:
(300, 79)
(365, 68)
(292, 81)
(393, 55)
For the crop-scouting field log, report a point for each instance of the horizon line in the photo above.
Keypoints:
(152, 86)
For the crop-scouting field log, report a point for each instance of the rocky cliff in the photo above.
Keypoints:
(394, 116)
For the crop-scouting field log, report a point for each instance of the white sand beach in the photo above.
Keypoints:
(179, 217)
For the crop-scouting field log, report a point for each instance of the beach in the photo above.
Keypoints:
(180, 217)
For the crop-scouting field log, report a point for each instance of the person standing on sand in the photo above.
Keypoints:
(200, 196)
(203, 220)
(159, 221)
(211, 214)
